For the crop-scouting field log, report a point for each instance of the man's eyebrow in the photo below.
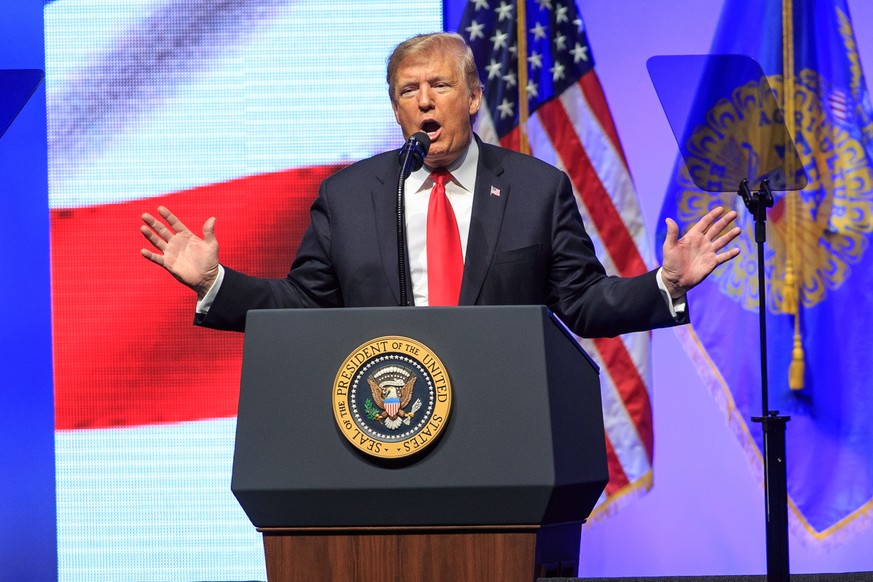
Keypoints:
(440, 78)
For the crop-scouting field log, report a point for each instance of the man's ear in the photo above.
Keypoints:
(475, 102)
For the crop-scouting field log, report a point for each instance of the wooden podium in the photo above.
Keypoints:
(500, 496)
(422, 554)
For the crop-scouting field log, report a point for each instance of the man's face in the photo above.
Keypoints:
(431, 95)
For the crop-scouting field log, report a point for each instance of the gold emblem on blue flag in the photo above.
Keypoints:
(831, 222)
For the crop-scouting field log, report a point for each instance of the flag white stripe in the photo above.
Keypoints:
(620, 427)
(202, 119)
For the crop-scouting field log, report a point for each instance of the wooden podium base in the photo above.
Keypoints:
(422, 554)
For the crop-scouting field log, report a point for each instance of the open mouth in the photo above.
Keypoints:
(431, 128)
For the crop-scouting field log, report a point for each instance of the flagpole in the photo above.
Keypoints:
(523, 113)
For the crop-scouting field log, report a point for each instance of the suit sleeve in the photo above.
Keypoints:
(590, 302)
(311, 281)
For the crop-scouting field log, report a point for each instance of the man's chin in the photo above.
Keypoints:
(438, 158)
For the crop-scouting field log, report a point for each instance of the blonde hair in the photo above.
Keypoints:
(435, 43)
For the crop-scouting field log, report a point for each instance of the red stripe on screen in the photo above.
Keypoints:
(125, 350)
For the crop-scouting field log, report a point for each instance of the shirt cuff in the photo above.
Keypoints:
(676, 306)
(204, 304)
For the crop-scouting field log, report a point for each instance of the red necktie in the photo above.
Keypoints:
(445, 261)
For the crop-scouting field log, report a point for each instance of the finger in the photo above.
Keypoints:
(727, 256)
(704, 224)
(157, 226)
(153, 238)
(722, 241)
(153, 257)
(721, 238)
(176, 224)
(719, 227)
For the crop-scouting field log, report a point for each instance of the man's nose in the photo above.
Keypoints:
(425, 98)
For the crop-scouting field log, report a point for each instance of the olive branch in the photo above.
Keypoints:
(370, 409)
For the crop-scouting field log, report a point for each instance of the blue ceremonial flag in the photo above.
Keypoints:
(819, 275)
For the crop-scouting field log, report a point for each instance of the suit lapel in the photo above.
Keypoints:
(489, 202)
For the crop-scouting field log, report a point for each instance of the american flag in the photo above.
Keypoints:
(570, 126)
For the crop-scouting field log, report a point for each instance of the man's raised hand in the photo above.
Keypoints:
(690, 259)
(190, 259)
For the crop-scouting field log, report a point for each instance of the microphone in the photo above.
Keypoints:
(412, 156)
(413, 152)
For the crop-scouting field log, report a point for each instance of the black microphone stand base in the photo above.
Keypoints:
(776, 495)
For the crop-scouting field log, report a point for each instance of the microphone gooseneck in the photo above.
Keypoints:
(412, 156)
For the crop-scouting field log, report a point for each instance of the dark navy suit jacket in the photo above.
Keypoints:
(526, 245)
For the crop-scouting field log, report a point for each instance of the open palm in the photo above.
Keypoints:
(690, 259)
(190, 259)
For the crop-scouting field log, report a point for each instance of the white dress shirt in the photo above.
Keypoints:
(459, 191)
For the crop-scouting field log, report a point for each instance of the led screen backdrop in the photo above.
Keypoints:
(232, 109)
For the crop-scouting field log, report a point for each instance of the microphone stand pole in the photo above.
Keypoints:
(775, 480)
(400, 215)
(411, 159)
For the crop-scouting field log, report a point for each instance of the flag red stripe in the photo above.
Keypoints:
(617, 477)
(613, 233)
(630, 387)
(622, 248)
(626, 377)
(512, 140)
(573, 121)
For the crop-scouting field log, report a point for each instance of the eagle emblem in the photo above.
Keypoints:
(391, 388)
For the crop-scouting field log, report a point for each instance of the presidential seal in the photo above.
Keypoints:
(392, 397)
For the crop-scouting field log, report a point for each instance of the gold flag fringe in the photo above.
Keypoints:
(851, 525)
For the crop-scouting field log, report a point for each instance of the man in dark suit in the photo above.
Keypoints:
(517, 232)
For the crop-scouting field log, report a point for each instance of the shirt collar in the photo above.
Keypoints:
(463, 171)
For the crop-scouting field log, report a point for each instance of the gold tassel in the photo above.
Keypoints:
(791, 298)
(798, 367)
(789, 291)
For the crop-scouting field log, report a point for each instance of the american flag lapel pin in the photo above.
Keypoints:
(495, 191)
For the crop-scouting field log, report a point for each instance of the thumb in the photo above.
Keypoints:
(209, 230)
(672, 233)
